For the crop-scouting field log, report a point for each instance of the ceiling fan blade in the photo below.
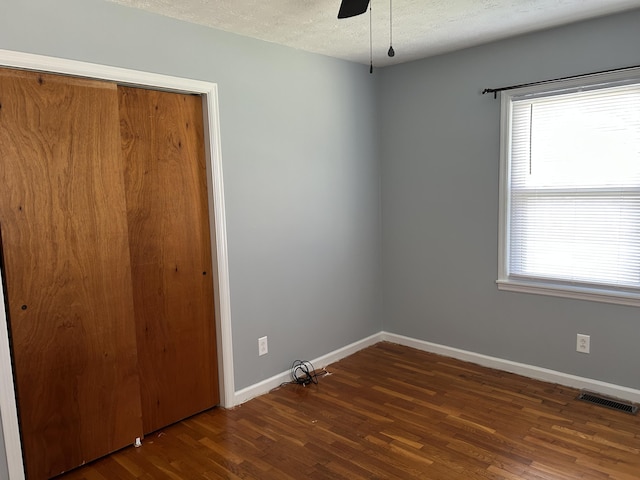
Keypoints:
(351, 8)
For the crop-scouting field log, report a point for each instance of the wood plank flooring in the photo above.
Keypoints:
(392, 412)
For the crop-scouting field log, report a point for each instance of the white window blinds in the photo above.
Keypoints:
(573, 191)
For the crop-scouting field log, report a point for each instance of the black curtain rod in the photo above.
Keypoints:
(542, 82)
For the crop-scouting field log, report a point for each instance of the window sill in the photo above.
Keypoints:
(579, 293)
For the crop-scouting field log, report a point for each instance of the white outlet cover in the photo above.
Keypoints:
(263, 346)
(583, 343)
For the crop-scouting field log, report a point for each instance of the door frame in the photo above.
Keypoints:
(217, 221)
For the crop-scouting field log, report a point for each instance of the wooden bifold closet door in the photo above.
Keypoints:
(67, 269)
(166, 191)
(106, 262)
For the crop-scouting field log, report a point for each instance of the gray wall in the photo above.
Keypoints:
(440, 162)
(300, 168)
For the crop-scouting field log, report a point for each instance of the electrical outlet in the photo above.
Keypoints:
(263, 347)
(583, 343)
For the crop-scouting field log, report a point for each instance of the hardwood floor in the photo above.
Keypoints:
(392, 412)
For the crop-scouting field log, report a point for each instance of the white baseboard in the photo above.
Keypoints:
(531, 371)
(269, 384)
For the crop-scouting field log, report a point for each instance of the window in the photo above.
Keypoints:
(570, 189)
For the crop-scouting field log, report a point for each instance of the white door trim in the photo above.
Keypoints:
(209, 92)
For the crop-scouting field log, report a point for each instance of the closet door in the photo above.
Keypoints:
(167, 205)
(67, 269)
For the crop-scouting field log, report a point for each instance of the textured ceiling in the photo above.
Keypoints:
(421, 28)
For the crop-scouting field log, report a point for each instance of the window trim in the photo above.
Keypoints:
(543, 286)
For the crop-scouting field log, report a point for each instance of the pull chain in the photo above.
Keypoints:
(391, 51)
(370, 42)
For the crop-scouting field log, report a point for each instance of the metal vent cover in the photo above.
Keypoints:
(620, 405)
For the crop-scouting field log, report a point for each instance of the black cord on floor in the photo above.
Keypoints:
(303, 373)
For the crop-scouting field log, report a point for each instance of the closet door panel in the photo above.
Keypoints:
(67, 269)
(167, 205)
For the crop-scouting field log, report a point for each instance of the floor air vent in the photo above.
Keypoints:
(608, 402)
